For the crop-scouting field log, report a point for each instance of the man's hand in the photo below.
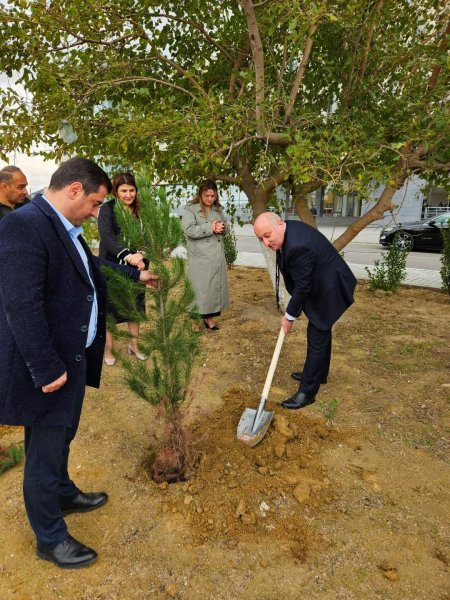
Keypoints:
(149, 279)
(55, 385)
(286, 324)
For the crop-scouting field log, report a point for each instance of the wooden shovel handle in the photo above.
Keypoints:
(273, 364)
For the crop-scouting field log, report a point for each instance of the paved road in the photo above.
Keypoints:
(364, 250)
(422, 267)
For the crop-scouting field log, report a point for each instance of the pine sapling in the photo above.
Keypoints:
(167, 337)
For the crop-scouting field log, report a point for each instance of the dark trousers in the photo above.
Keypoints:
(318, 357)
(47, 486)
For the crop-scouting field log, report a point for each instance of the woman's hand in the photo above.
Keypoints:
(150, 279)
(135, 259)
(218, 226)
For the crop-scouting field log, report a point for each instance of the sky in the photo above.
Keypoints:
(36, 170)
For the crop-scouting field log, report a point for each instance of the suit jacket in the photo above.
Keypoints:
(45, 305)
(318, 279)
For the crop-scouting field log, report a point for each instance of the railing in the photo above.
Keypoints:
(434, 211)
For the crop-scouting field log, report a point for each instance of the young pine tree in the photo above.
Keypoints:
(167, 337)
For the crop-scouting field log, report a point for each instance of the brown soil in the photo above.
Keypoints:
(347, 499)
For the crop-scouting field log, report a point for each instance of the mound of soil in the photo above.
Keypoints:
(345, 499)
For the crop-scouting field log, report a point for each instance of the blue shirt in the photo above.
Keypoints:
(74, 232)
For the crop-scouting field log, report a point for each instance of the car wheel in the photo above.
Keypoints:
(404, 241)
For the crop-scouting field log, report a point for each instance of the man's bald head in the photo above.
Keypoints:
(269, 228)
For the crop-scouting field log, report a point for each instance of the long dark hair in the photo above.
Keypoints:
(206, 184)
(126, 179)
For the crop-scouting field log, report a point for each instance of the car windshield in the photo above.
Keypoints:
(441, 219)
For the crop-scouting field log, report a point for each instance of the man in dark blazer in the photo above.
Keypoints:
(52, 332)
(321, 285)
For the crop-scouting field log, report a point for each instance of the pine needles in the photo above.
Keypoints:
(167, 338)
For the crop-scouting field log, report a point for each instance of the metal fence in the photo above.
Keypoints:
(434, 211)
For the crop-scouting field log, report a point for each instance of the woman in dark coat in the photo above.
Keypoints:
(125, 190)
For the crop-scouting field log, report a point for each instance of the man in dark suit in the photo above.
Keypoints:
(52, 331)
(321, 285)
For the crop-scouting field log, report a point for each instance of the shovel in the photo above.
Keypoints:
(253, 424)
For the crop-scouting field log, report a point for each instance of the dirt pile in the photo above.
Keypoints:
(347, 499)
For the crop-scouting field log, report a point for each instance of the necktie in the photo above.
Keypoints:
(277, 280)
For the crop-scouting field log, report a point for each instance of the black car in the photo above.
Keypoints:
(424, 235)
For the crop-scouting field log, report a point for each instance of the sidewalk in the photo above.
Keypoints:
(415, 277)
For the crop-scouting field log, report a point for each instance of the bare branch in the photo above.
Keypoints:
(258, 60)
(363, 63)
(422, 165)
(283, 67)
(228, 179)
(274, 180)
(235, 71)
(114, 82)
(300, 73)
(437, 68)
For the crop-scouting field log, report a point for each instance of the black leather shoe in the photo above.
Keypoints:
(298, 400)
(85, 502)
(69, 554)
(297, 375)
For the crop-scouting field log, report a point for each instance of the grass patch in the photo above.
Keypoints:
(9, 457)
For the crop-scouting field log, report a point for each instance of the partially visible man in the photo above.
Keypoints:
(13, 189)
(52, 332)
(321, 285)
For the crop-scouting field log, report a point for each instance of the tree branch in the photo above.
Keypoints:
(422, 165)
(235, 71)
(300, 73)
(363, 63)
(274, 180)
(198, 27)
(258, 60)
(113, 82)
(228, 179)
(437, 68)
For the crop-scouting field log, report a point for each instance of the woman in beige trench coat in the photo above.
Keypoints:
(204, 225)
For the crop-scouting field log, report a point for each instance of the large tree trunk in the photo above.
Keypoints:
(300, 202)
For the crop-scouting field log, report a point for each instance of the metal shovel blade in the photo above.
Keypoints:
(251, 432)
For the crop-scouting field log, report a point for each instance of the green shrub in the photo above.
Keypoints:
(90, 232)
(10, 457)
(445, 260)
(390, 270)
(229, 246)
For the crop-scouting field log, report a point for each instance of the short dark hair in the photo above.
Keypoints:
(7, 173)
(87, 172)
